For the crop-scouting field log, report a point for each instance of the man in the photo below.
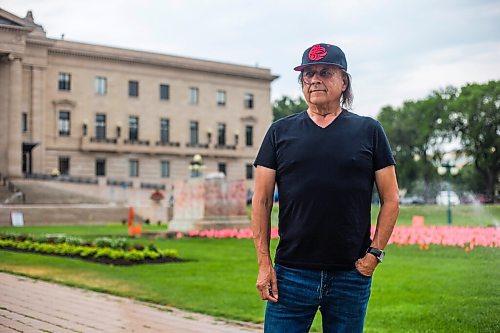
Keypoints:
(324, 161)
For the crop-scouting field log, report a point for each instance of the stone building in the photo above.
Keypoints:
(113, 116)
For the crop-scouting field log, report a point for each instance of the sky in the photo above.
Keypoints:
(396, 50)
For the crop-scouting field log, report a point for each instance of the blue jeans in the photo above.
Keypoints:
(341, 296)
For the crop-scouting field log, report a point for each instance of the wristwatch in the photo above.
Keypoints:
(379, 254)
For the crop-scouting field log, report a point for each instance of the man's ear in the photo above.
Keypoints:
(345, 82)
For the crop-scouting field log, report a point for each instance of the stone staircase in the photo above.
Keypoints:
(67, 214)
(43, 204)
(37, 192)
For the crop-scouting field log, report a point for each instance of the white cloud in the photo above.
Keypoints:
(396, 50)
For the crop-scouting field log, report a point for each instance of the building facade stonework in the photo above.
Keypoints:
(122, 116)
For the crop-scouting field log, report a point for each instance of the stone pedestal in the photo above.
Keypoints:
(214, 203)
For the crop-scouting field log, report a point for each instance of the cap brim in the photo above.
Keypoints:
(301, 67)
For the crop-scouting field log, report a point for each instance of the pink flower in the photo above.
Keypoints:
(424, 236)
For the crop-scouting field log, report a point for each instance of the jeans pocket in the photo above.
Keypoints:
(362, 275)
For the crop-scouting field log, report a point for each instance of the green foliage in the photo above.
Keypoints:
(120, 243)
(151, 254)
(418, 129)
(103, 242)
(287, 106)
(169, 253)
(475, 118)
(88, 251)
(152, 247)
(134, 255)
(107, 248)
(75, 240)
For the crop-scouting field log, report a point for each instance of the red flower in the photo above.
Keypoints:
(156, 196)
(317, 52)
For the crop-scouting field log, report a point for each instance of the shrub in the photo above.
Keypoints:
(105, 252)
(74, 240)
(103, 242)
(74, 246)
(152, 247)
(117, 254)
(151, 254)
(120, 243)
(7, 243)
(138, 247)
(171, 253)
(41, 239)
(134, 255)
(24, 245)
(56, 238)
(88, 251)
(45, 248)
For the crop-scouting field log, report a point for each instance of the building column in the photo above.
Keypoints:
(14, 153)
(38, 118)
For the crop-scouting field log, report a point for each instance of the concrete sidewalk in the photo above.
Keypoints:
(28, 305)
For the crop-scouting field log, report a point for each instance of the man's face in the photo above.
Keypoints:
(323, 84)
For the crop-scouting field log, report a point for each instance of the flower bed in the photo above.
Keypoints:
(102, 250)
(465, 237)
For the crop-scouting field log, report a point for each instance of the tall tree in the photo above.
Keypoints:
(287, 106)
(475, 119)
(413, 131)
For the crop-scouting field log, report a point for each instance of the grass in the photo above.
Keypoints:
(81, 230)
(463, 215)
(444, 289)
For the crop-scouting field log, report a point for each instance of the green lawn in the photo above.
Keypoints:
(463, 215)
(444, 289)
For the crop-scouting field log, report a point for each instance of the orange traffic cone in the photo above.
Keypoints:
(130, 216)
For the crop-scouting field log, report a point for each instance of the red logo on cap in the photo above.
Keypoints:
(317, 52)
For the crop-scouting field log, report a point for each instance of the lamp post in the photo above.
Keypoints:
(196, 166)
(449, 169)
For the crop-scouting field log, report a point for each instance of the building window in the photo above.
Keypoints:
(101, 85)
(133, 128)
(221, 97)
(100, 167)
(64, 123)
(221, 134)
(63, 165)
(249, 136)
(193, 132)
(164, 92)
(164, 130)
(100, 126)
(133, 168)
(249, 101)
(194, 95)
(222, 168)
(64, 81)
(165, 169)
(133, 88)
(24, 122)
(249, 171)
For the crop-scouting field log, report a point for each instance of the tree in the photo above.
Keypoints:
(475, 119)
(414, 134)
(418, 129)
(287, 106)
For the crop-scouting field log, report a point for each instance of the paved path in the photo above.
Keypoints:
(28, 305)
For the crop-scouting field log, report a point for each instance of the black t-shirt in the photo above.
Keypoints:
(325, 180)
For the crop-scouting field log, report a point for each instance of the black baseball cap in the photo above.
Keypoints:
(326, 54)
